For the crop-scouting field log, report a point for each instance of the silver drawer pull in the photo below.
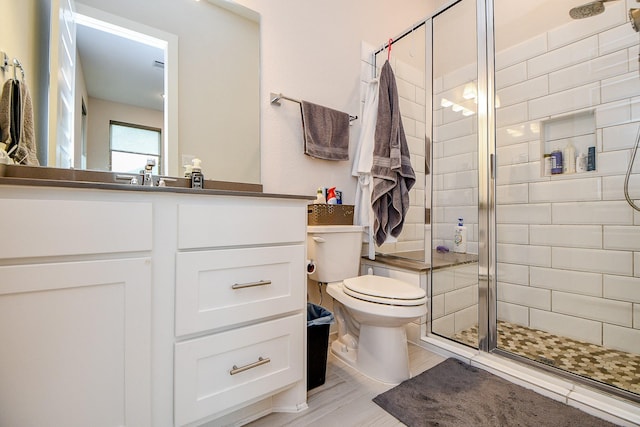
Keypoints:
(261, 361)
(251, 284)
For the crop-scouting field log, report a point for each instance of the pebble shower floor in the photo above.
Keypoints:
(613, 367)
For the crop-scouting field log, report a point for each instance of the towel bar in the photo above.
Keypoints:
(276, 97)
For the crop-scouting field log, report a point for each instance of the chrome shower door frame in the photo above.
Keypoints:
(487, 285)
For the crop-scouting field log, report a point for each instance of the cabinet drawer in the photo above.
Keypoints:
(220, 371)
(215, 289)
(71, 227)
(241, 221)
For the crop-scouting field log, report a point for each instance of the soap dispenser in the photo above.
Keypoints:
(320, 199)
(197, 178)
(460, 237)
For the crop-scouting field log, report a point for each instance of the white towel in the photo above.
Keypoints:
(362, 163)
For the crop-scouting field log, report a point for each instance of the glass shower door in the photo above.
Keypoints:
(455, 174)
(568, 244)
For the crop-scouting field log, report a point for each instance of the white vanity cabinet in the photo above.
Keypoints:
(150, 308)
(240, 306)
(75, 285)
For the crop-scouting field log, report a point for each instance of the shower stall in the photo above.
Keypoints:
(533, 116)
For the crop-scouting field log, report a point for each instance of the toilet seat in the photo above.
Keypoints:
(384, 290)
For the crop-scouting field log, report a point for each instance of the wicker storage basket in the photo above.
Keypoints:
(330, 214)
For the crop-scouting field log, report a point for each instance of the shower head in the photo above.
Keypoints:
(634, 16)
(588, 10)
(594, 8)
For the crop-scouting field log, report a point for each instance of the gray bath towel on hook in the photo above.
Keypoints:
(393, 175)
(17, 124)
(326, 132)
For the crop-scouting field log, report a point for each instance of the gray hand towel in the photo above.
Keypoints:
(393, 175)
(25, 153)
(326, 132)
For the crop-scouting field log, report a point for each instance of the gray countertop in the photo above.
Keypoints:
(438, 260)
(99, 180)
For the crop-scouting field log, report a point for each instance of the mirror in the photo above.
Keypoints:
(216, 115)
(120, 79)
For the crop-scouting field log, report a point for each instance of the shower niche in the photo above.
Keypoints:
(558, 135)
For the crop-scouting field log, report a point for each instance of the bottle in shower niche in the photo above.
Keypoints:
(591, 159)
(460, 237)
(581, 163)
(197, 178)
(569, 157)
(556, 162)
(547, 164)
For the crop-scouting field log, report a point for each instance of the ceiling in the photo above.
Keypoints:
(121, 70)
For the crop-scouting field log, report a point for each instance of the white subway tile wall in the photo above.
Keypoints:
(567, 326)
(568, 245)
(622, 288)
(513, 313)
(455, 299)
(571, 239)
(619, 337)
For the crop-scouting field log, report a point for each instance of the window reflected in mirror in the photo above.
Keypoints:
(130, 146)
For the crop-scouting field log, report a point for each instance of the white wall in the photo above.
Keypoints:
(21, 36)
(17, 43)
(100, 112)
(311, 51)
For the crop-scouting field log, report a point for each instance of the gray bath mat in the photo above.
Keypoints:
(456, 394)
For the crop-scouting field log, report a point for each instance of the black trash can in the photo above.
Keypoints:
(319, 320)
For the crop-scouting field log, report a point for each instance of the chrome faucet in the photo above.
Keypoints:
(147, 177)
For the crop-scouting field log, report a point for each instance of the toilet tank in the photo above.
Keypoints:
(335, 251)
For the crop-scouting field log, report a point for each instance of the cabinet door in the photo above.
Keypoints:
(75, 343)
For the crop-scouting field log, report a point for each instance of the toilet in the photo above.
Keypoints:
(371, 311)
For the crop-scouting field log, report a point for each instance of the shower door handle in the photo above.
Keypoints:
(492, 165)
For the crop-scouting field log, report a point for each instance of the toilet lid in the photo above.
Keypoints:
(384, 290)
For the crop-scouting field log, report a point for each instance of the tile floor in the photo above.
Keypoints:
(345, 397)
(616, 368)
